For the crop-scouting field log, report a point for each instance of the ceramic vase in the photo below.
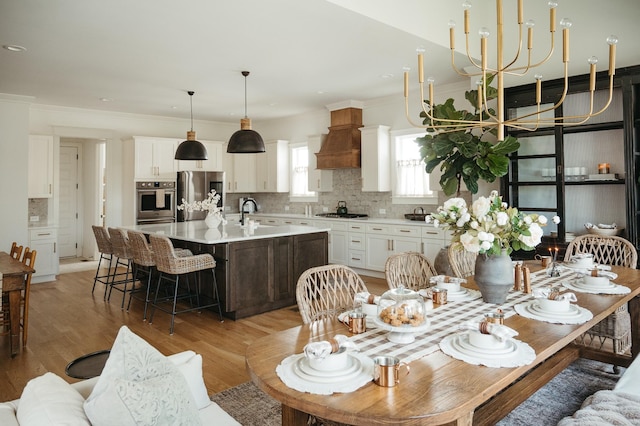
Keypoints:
(441, 262)
(213, 220)
(494, 277)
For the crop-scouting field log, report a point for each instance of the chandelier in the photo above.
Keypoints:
(488, 119)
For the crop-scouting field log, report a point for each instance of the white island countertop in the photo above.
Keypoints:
(198, 232)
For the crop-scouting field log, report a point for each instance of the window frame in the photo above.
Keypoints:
(298, 198)
(403, 199)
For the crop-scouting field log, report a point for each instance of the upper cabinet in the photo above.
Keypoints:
(154, 158)
(319, 180)
(213, 163)
(240, 171)
(272, 167)
(376, 159)
(40, 176)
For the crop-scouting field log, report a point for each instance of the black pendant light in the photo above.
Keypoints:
(245, 140)
(191, 149)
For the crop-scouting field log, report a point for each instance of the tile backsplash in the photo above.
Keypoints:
(39, 207)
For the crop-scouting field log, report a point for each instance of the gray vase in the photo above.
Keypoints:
(494, 277)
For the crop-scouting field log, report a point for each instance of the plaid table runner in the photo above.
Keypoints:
(445, 320)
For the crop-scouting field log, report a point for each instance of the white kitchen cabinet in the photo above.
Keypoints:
(319, 180)
(44, 241)
(338, 242)
(272, 167)
(212, 163)
(384, 240)
(357, 246)
(433, 239)
(376, 159)
(154, 158)
(240, 172)
(40, 167)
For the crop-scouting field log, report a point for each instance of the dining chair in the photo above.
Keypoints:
(29, 259)
(171, 267)
(16, 251)
(607, 250)
(411, 270)
(327, 291)
(462, 262)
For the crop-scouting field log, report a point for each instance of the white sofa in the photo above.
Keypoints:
(137, 386)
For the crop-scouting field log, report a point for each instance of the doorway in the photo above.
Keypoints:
(70, 210)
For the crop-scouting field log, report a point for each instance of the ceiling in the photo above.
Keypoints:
(144, 55)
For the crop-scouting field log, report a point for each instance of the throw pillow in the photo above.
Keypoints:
(191, 368)
(49, 400)
(140, 386)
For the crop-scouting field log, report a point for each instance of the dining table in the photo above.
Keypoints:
(439, 388)
(14, 277)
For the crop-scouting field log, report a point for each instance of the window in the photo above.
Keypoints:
(410, 180)
(300, 174)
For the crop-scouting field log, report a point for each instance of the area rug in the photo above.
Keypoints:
(559, 398)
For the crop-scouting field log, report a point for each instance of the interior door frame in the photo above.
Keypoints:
(64, 142)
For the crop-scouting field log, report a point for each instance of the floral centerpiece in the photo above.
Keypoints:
(490, 226)
(210, 205)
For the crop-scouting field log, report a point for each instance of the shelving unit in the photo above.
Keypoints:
(547, 174)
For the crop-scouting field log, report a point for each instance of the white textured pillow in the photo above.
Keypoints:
(140, 386)
(191, 368)
(49, 400)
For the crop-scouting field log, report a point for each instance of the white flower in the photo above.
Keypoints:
(485, 245)
(457, 203)
(463, 219)
(542, 220)
(502, 218)
(481, 207)
(469, 242)
(528, 220)
(436, 222)
(556, 219)
(428, 218)
(474, 224)
(535, 238)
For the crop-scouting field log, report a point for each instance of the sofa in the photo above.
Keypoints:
(138, 386)
(619, 406)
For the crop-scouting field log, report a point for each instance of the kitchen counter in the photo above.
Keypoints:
(198, 232)
(391, 221)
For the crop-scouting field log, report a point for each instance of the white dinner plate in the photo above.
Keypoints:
(461, 343)
(303, 370)
(581, 284)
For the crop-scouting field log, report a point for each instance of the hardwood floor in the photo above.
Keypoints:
(67, 321)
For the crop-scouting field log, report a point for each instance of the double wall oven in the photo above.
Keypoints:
(155, 202)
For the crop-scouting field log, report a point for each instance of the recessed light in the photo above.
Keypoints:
(14, 48)
(387, 76)
(321, 92)
(106, 99)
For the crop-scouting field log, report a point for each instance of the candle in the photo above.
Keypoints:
(603, 168)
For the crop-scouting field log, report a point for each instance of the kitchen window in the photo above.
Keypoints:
(300, 174)
(410, 180)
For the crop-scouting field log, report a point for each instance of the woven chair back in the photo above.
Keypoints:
(169, 262)
(411, 270)
(327, 291)
(140, 249)
(16, 250)
(102, 239)
(120, 243)
(462, 262)
(606, 250)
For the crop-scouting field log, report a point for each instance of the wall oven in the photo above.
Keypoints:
(155, 202)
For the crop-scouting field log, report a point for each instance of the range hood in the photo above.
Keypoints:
(341, 149)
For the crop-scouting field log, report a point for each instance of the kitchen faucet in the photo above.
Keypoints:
(242, 212)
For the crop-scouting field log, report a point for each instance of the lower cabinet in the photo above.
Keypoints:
(44, 241)
(384, 240)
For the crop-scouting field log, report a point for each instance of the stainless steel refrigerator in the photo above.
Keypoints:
(194, 186)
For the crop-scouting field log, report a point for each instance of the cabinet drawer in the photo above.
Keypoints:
(356, 258)
(431, 232)
(305, 222)
(378, 229)
(357, 227)
(357, 241)
(42, 234)
(271, 221)
(338, 225)
(406, 231)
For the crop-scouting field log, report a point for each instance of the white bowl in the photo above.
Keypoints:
(333, 362)
(485, 341)
(453, 287)
(590, 281)
(582, 260)
(609, 232)
(549, 305)
(370, 309)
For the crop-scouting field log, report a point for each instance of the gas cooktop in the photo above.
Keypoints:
(344, 215)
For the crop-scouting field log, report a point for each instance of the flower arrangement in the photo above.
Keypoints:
(210, 205)
(491, 226)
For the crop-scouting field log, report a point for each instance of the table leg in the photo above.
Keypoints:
(293, 417)
(14, 318)
(634, 313)
(466, 420)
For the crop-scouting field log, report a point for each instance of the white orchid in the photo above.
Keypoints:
(210, 205)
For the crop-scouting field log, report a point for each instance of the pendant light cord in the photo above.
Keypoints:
(245, 74)
(191, 102)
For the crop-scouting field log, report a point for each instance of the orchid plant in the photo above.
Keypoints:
(490, 226)
(210, 205)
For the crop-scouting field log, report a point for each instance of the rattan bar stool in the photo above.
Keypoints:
(411, 269)
(143, 264)
(103, 240)
(171, 267)
(120, 280)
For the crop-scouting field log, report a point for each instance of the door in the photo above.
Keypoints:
(69, 232)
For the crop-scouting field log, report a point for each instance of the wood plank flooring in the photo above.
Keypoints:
(67, 321)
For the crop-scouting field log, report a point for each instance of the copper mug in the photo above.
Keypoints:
(544, 260)
(439, 295)
(494, 317)
(357, 322)
(386, 370)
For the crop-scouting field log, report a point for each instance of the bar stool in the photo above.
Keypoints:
(106, 252)
(142, 254)
(122, 252)
(170, 265)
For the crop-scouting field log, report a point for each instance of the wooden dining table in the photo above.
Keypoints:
(439, 388)
(14, 277)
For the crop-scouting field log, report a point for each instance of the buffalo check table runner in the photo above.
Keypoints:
(445, 320)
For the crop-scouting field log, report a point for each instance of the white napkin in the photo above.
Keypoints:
(601, 273)
(543, 293)
(363, 297)
(499, 331)
(322, 349)
(443, 278)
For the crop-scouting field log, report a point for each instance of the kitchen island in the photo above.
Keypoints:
(256, 268)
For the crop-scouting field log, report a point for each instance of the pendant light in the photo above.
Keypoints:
(191, 149)
(245, 140)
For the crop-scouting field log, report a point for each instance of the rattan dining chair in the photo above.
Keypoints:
(410, 269)
(327, 291)
(607, 250)
(171, 267)
(462, 262)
